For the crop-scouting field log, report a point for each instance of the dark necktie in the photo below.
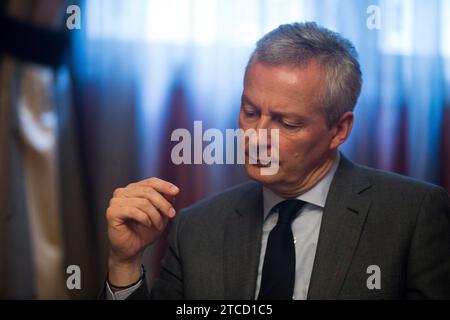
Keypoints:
(278, 274)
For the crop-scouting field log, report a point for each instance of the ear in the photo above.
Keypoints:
(342, 129)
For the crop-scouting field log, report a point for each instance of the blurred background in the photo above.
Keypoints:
(89, 98)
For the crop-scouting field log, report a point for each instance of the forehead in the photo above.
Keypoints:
(284, 86)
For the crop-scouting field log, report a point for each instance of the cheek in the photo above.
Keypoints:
(299, 147)
(291, 147)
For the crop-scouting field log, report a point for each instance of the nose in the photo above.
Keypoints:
(262, 132)
(262, 123)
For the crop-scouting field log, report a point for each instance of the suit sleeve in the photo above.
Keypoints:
(428, 269)
(169, 285)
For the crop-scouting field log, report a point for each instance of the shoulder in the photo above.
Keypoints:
(402, 193)
(394, 184)
(386, 190)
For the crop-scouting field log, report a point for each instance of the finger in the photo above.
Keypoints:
(161, 186)
(120, 191)
(155, 198)
(161, 203)
(122, 214)
(145, 206)
(168, 190)
(171, 199)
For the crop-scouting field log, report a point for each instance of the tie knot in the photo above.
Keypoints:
(287, 210)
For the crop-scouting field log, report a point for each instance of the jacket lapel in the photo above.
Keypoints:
(342, 221)
(242, 245)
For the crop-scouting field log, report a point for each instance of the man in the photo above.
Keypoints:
(322, 227)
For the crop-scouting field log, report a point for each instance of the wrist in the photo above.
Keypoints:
(122, 273)
(116, 261)
(114, 287)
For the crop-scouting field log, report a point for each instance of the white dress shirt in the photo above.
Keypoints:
(305, 229)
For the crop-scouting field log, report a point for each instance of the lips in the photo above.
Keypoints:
(257, 162)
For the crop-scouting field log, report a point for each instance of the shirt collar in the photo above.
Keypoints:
(317, 195)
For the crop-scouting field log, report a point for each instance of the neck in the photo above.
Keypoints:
(291, 191)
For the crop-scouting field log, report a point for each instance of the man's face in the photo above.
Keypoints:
(287, 98)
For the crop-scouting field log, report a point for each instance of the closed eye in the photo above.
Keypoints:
(249, 111)
(288, 125)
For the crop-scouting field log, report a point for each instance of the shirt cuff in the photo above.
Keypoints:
(121, 294)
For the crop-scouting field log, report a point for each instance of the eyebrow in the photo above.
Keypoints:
(281, 114)
(247, 100)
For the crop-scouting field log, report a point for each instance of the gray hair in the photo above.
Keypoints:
(298, 43)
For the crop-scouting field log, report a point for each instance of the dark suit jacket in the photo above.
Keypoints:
(370, 217)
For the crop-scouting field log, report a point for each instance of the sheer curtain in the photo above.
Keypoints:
(147, 67)
(44, 222)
